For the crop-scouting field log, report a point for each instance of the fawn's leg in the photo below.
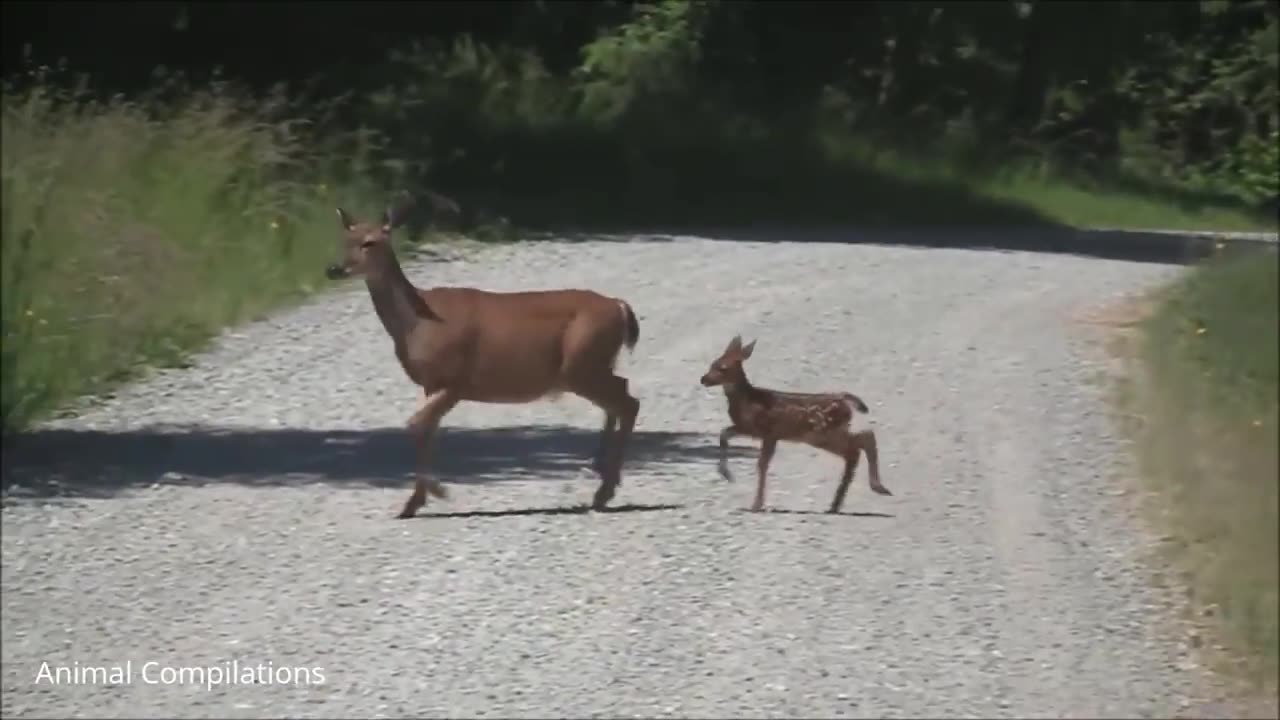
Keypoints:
(610, 394)
(846, 447)
(725, 435)
(867, 440)
(423, 427)
(850, 447)
(767, 446)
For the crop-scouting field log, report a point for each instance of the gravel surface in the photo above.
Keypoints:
(242, 510)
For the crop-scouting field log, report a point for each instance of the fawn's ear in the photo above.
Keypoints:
(746, 349)
(344, 219)
(734, 345)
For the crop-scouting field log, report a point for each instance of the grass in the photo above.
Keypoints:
(1076, 206)
(134, 231)
(1207, 448)
(1057, 197)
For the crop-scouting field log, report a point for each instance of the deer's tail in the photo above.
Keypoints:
(857, 403)
(633, 325)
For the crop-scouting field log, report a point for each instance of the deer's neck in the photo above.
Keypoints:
(395, 299)
(737, 392)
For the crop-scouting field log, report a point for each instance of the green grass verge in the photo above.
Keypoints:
(1207, 446)
(133, 233)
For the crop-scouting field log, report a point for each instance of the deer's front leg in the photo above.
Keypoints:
(767, 446)
(725, 435)
(422, 426)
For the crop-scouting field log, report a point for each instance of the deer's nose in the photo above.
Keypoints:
(335, 272)
(706, 380)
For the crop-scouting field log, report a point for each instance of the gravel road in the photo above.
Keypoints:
(242, 510)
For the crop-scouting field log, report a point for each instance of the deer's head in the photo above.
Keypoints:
(363, 244)
(727, 369)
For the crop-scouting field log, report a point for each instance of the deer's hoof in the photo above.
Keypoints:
(601, 500)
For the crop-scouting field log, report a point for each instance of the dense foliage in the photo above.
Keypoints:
(489, 96)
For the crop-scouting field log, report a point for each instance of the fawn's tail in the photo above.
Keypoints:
(857, 403)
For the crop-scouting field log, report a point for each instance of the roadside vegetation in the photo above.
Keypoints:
(1203, 410)
(137, 225)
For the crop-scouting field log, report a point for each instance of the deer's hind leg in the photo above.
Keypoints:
(610, 394)
(422, 426)
(850, 447)
(610, 425)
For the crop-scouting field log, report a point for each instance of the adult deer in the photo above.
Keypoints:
(461, 343)
(821, 420)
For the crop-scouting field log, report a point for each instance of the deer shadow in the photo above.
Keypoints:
(816, 513)
(90, 463)
(564, 510)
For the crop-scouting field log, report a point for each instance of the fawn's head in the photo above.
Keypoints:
(364, 243)
(727, 369)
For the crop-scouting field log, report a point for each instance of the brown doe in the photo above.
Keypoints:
(461, 343)
(820, 420)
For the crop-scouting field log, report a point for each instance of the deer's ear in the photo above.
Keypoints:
(746, 349)
(396, 213)
(344, 219)
(734, 344)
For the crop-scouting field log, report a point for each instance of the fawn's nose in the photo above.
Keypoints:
(707, 381)
(335, 272)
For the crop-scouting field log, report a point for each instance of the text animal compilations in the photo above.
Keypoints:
(152, 672)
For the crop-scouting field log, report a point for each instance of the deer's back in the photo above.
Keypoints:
(792, 415)
(514, 346)
(474, 302)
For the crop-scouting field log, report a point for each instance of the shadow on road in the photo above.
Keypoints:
(84, 463)
(822, 513)
(569, 510)
(1167, 248)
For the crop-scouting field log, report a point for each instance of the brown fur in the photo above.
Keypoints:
(820, 420)
(460, 344)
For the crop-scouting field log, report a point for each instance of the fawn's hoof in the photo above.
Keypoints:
(409, 510)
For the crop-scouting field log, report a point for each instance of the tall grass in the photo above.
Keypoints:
(1209, 450)
(133, 230)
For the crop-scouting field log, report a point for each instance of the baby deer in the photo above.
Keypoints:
(820, 420)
